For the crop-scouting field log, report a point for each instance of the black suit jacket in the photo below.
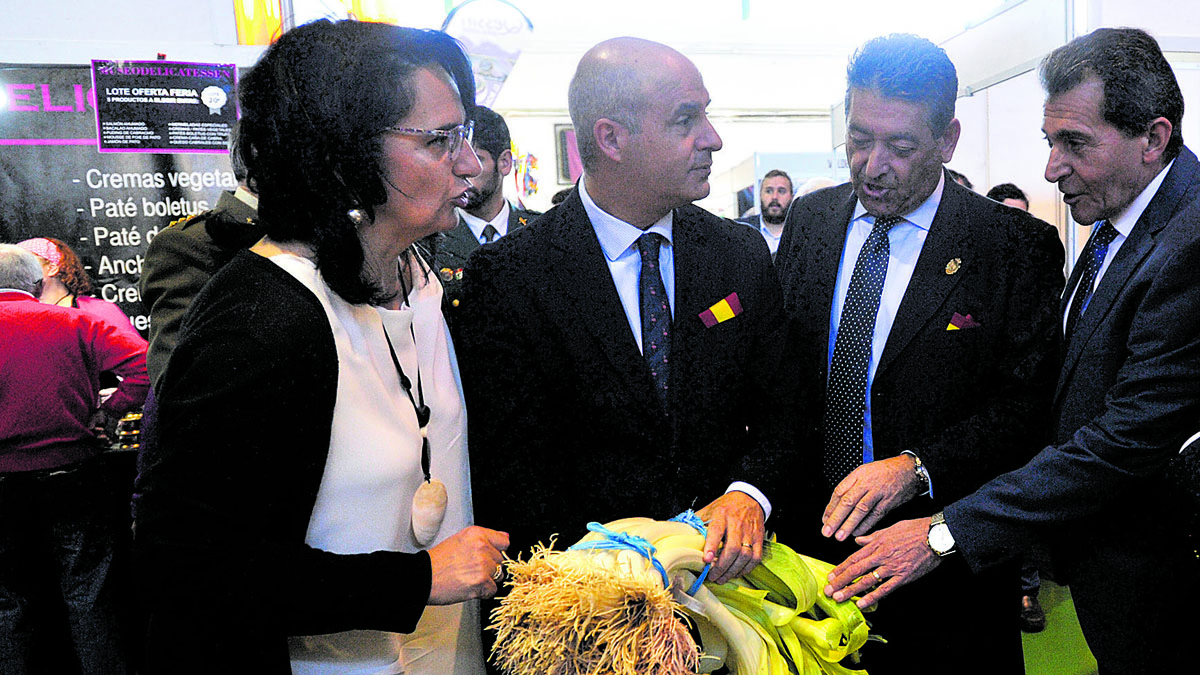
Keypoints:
(1108, 489)
(971, 403)
(456, 246)
(565, 424)
(180, 260)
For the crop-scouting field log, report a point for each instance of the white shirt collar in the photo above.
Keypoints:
(616, 235)
(922, 216)
(1124, 223)
(500, 222)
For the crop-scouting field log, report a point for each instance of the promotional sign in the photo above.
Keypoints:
(493, 33)
(162, 106)
(105, 206)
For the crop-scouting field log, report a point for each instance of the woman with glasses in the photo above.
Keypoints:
(307, 502)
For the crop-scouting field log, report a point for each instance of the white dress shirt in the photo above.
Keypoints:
(906, 239)
(618, 240)
(477, 225)
(771, 238)
(1124, 225)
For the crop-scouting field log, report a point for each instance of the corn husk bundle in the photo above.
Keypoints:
(623, 609)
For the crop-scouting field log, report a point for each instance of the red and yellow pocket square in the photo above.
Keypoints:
(959, 322)
(722, 311)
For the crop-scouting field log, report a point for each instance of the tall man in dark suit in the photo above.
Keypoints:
(627, 343)
(1104, 493)
(488, 215)
(926, 329)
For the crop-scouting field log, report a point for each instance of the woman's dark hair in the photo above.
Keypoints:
(314, 110)
(71, 271)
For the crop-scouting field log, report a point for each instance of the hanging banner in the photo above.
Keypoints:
(106, 206)
(163, 106)
(493, 33)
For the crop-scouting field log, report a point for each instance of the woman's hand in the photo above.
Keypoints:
(465, 566)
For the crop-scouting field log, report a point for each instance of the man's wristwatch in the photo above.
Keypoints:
(940, 540)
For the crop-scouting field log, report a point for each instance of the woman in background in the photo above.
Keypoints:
(307, 501)
(66, 283)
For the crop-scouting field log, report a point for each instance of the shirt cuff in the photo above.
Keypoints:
(1188, 442)
(922, 471)
(739, 486)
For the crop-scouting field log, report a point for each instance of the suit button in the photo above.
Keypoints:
(454, 302)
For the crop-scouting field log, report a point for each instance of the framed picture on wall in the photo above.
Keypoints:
(570, 168)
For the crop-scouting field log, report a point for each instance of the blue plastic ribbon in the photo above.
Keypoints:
(619, 540)
(689, 517)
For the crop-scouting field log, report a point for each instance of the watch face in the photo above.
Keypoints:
(940, 540)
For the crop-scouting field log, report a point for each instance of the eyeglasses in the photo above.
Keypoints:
(453, 138)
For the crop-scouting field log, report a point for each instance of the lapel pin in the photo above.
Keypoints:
(522, 221)
(953, 265)
(446, 273)
(724, 310)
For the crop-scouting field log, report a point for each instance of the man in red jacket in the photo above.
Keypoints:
(53, 520)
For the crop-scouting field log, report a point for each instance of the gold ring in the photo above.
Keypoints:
(747, 545)
(499, 573)
(878, 579)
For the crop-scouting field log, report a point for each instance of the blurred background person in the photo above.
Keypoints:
(56, 519)
(813, 184)
(1009, 195)
(960, 178)
(487, 215)
(65, 283)
(774, 196)
(313, 516)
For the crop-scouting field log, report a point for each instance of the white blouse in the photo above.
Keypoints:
(364, 502)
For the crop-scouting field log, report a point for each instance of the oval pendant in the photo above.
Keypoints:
(428, 511)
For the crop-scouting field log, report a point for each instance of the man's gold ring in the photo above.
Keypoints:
(747, 545)
(878, 579)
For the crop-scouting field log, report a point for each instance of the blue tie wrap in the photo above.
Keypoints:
(618, 540)
(689, 517)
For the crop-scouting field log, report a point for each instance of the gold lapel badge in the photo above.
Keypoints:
(522, 221)
(953, 266)
(446, 273)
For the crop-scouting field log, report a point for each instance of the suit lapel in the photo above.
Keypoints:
(517, 218)
(948, 238)
(695, 285)
(582, 271)
(1129, 258)
(823, 248)
(460, 241)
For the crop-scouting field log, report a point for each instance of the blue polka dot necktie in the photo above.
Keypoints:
(1092, 259)
(847, 390)
(656, 314)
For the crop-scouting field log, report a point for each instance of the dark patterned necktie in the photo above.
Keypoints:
(489, 234)
(847, 391)
(656, 313)
(1092, 259)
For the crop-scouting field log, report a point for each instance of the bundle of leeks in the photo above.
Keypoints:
(617, 602)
